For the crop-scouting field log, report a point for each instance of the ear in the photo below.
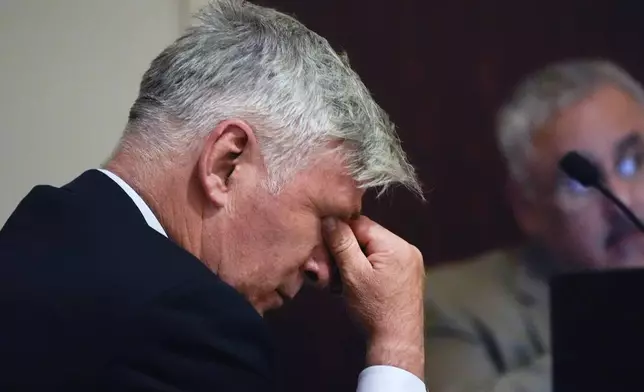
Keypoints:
(524, 208)
(231, 144)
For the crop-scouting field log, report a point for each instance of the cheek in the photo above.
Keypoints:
(301, 237)
(637, 202)
(276, 237)
(582, 231)
(290, 239)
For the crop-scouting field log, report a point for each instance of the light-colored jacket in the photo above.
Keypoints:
(487, 326)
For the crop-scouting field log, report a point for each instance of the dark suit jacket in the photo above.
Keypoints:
(93, 299)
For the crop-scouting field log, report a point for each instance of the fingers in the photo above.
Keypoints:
(371, 236)
(344, 246)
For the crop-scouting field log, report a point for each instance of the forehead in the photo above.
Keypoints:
(327, 185)
(595, 126)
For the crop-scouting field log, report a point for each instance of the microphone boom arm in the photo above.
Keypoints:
(579, 168)
(618, 203)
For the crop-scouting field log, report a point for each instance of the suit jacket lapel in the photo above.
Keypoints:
(533, 271)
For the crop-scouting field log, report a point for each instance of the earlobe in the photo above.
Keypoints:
(220, 158)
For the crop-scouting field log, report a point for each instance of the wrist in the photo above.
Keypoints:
(407, 354)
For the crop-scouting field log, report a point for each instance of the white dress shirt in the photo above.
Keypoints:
(371, 379)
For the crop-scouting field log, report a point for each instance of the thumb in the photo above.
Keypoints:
(344, 246)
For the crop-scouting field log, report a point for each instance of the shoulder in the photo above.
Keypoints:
(107, 285)
(66, 240)
(465, 277)
(200, 334)
(60, 245)
(472, 286)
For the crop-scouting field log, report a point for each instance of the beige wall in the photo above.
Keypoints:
(188, 9)
(69, 71)
(195, 5)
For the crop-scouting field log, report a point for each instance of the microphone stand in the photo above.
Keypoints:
(622, 207)
(579, 168)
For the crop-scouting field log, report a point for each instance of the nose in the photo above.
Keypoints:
(318, 269)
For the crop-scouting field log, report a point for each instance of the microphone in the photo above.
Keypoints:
(577, 167)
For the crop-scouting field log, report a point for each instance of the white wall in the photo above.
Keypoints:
(69, 71)
(195, 5)
(191, 7)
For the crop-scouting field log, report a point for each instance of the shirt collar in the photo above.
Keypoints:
(147, 213)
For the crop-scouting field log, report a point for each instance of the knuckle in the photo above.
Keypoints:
(342, 246)
(415, 251)
(417, 258)
(416, 254)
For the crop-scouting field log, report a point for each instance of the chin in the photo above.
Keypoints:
(268, 304)
(635, 261)
(590, 266)
(261, 306)
(629, 253)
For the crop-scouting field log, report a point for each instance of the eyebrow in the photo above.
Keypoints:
(634, 139)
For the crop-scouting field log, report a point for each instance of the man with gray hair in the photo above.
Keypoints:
(239, 177)
(487, 319)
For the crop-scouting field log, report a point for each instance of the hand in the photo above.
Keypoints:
(384, 288)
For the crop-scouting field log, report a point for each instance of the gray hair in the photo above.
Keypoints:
(542, 95)
(256, 64)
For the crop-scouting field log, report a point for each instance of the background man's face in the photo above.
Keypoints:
(578, 224)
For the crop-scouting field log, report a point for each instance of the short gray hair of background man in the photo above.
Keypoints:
(542, 95)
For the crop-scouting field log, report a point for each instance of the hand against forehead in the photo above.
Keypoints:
(384, 288)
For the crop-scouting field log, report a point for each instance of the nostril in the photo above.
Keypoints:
(311, 276)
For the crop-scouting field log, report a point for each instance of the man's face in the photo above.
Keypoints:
(578, 224)
(274, 242)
